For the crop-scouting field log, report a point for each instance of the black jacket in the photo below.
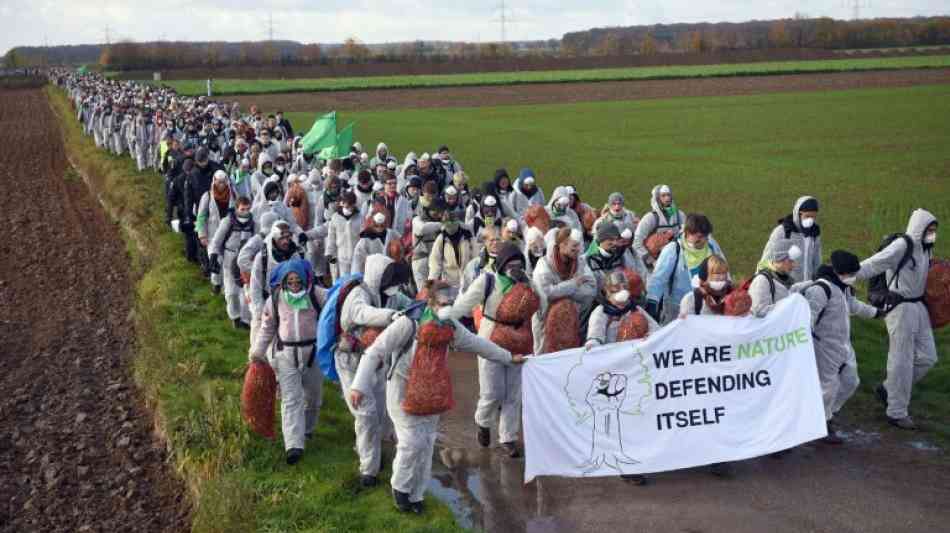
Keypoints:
(199, 182)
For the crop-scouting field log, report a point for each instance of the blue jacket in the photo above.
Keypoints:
(658, 288)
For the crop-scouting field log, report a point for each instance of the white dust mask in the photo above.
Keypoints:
(620, 297)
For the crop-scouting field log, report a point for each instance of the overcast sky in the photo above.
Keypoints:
(33, 22)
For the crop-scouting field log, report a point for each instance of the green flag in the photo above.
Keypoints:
(321, 135)
(341, 148)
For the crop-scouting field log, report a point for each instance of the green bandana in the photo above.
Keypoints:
(297, 303)
(670, 211)
(505, 283)
(693, 257)
(593, 248)
(239, 177)
(429, 316)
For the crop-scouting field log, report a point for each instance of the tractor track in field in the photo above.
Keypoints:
(77, 447)
(558, 93)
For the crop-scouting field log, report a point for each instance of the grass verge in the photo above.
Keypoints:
(235, 86)
(189, 364)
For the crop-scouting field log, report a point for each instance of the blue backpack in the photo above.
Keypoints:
(328, 325)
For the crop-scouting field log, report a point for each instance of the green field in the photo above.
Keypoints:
(232, 86)
(870, 156)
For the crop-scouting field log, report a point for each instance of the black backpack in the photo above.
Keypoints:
(879, 293)
(821, 314)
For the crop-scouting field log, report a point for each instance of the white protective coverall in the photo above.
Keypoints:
(602, 327)
(499, 385)
(546, 277)
(831, 331)
(227, 243)
(912, 350)
(655, 220)
(412, 466)
(299, 375)
(363, 307)
(807, 267)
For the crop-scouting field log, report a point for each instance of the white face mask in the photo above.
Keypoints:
(244, 217)
(391, 291)
(445, 312)
(847, 280)
(620, 297)
(347, 211)
(930, 238)
(808, 222)
(298, 294)
(717, 285)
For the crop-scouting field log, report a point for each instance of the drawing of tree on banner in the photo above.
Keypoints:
(598, 398)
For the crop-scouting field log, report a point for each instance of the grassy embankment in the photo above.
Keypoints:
(189, 365)
(234, 86)
(870, 156)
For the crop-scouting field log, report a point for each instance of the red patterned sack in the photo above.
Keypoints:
(538, 217)
(299, 205)
(395, 250)
(368, 337)
(938, 293)
(517, 305)
(561, 327)
(588, 217)
(655, 243)
(429, 389)
(257, 398)
(737, 303)
(633, 326)
(634, 283)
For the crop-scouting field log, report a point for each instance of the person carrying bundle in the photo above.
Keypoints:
(289, 332)
(508, 299)
(418, 386)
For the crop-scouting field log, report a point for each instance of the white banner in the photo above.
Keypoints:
(702, 390)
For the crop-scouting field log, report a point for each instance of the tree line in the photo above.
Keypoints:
(797, 32)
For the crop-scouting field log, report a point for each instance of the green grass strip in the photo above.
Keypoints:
(189, 364)
(237, 86)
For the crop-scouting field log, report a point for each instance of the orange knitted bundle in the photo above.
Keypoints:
(938, 293)
(538, 217)
(429, 388)
(633, 326)
(561, 326)
(257, 398)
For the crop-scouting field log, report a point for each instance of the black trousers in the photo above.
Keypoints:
(191, 242)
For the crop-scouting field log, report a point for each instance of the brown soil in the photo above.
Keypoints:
(556, 93)
(77, 451)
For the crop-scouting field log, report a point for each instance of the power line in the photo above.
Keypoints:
(856, 6)
(270, 27)
(504, 19)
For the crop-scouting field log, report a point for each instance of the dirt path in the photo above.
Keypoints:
(555, 93)
(77, 451)
(876, 482)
